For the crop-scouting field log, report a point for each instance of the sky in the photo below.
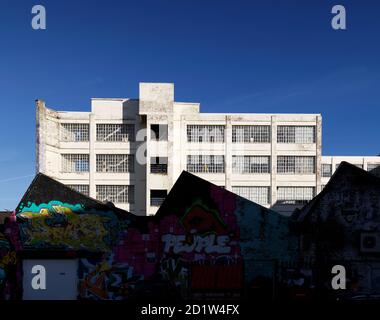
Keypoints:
(258, 56)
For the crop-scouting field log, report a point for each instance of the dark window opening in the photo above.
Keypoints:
(157, 197)
(159, 165)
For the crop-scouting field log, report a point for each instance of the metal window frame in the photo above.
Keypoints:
(74, 132)
(206, 133)
(115, 163)
(257, 194)
(115, 193)
(206, 163)
(115, 132)
(251, 133)
(75, 162)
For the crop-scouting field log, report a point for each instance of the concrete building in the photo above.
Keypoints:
(131, 151)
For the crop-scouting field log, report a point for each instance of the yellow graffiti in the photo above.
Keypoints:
(79, 231)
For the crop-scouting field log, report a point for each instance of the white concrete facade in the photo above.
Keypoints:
(241, 152)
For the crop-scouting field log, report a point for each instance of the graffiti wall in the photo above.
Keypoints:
(204, 240)
(61, 225)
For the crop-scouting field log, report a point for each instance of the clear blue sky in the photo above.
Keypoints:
(231, 56)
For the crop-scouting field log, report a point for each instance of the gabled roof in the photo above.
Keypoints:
(189, 187)
(44, 189)
(353, 176)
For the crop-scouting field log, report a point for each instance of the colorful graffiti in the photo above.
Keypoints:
(201, 240)
(62, 225)
(105, 279)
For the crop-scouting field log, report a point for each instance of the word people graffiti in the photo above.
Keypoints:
(208, 244)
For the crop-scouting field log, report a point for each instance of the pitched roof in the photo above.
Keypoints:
(353, 176)
(189, 187)
(44, 189)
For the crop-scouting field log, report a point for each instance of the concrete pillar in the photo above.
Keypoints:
(318, 158)
(92, 155)
(273, 171)
(228, 153)
(40, 136)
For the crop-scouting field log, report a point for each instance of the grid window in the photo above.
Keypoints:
(326, 170)
(372, 166)
(205, 163)
(115, 132)
(294, 195)
(296, 134)
(258, 195)
(204, 133)
(157, 197)
(295, 164)
(75, 163)
(159, 165)
(250, 134)
(250, 164)
(82, 188)
(74, 132)
(115, 193)
(115, 163)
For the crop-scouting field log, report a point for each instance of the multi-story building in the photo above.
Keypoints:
(131, 151)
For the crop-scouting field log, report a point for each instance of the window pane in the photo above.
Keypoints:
(295, 164)
(75, 163)
(115, 132)
(205, 133)
(258, 195)
(82, 188)
(326, 170)
(296, 134)
(115, 193)
(115, 163)
(250, 164)
(205, 163)
(251, 134)
(74, 132)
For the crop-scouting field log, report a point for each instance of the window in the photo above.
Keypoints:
(326, 170)
(115, 163)
(74, 132)
(372, 166)
(250, 164)
(115, 193)
(251, 134)
(295, 164)
(296, 134)
(115, 132)
(258, 195)
(294, 195)
(159, 132)
(204, 133)
(159, 165)
(82, 188)
(205, 164)
(75, 163)
(157, 197)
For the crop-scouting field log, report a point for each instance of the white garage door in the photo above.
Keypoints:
(61, 280)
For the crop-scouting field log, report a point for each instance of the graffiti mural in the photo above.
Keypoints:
(201, 241)
(105, 279)
(62, 225)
